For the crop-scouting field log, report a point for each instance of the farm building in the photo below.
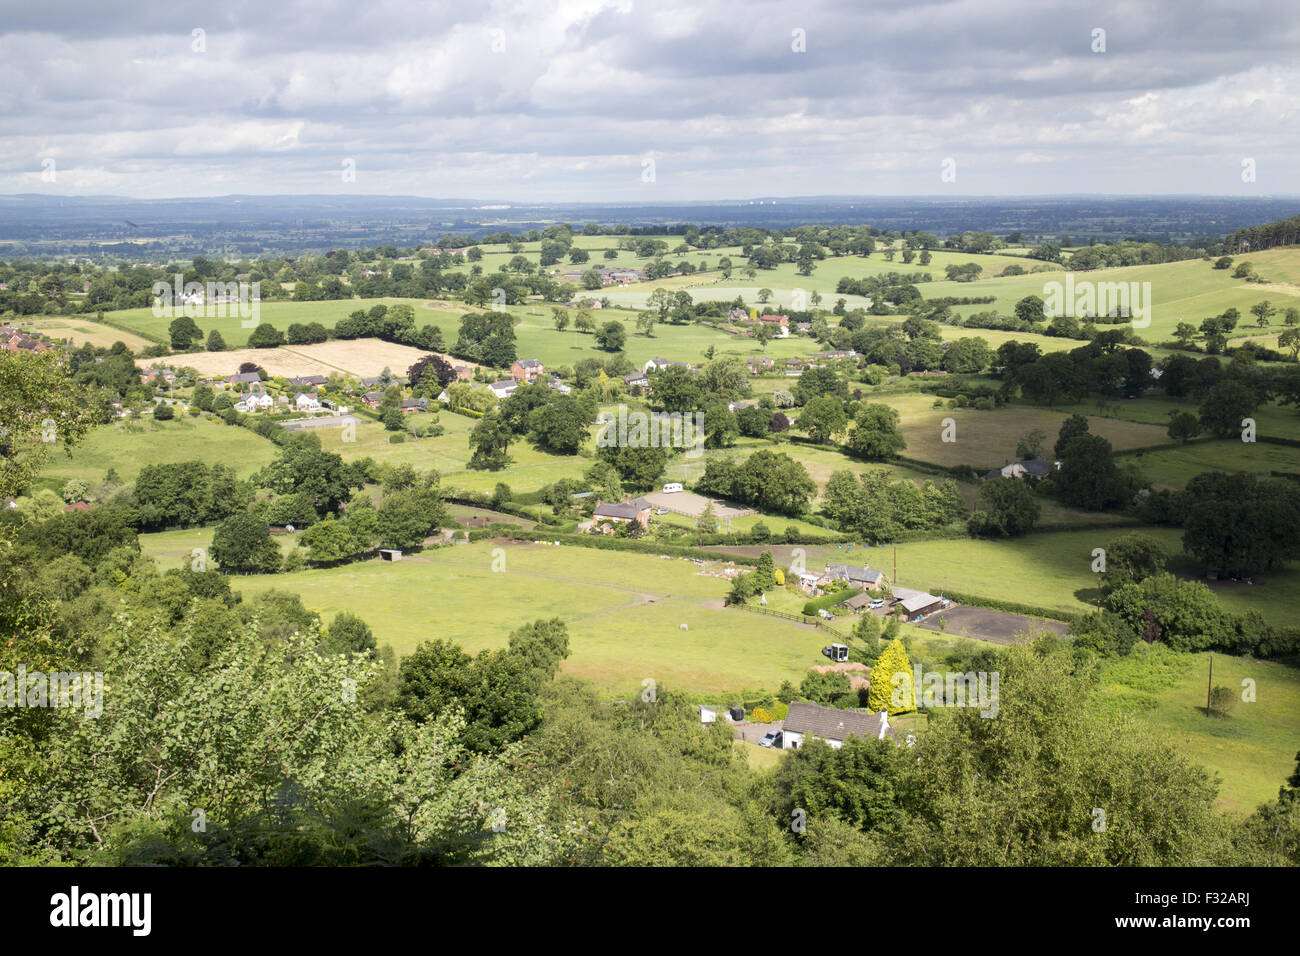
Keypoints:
(829, 724)
(856, 603)
(917, 603)
(504, 388)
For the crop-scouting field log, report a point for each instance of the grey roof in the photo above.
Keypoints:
(529, 363)
(308, 380)
(918, 602)
(1038, 467)
(607, 510)
(635, 377)
(862, 575)
(857, 602)
(243, 378)
(830, 723)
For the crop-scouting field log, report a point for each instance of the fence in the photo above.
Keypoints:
(786, 615)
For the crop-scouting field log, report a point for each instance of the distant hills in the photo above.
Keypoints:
(34, 224)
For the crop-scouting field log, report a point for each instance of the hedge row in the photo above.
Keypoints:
(827, 601)
(993, 604)
(608, 543)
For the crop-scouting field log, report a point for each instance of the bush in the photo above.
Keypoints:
(397, 438)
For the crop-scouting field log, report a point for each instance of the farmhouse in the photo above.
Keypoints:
(636, 381)
(830, 724)
(243, 378)
(526, 370)
(1028, 468)
(606, 515)
(863, 577)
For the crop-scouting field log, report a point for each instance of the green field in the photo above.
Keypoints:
(624, 612)
(1252, 750)
(128, 446)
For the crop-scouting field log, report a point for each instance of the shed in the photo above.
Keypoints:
(390, 554)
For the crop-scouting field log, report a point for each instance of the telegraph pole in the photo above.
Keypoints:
(1209, 683)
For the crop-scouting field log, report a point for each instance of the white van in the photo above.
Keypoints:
(672, 486)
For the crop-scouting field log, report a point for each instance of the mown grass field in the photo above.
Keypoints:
(129, 446)
(625, 613)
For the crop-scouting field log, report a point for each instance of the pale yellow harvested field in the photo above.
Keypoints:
(79, 332)
(363, 358)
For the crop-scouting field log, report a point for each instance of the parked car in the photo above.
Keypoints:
(661, 511)
(876, 603)
(770, 738)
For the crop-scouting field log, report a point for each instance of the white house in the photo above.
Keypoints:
(829, 724)
(503, 388)
(254, 402)
(306, 403)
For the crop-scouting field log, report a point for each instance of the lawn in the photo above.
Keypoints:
(624, 610)
(1173, 467)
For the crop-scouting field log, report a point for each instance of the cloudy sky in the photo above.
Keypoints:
(616, 100)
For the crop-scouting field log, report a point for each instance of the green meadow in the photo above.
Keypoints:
(625, 612)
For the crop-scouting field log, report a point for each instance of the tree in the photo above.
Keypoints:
(720, 426)
(183, 332)
(823, 418)
(561, 318)
(875, 434)
(1006, 508)
(1183, 426)
(1071, 428)
(638, 467)
(1030, 444)
(40, 405)
(891, 682)
(1289, 339)
(163, 412)
(1030, 309)
(406, 518)
(349, 634)
(215, 342)
(242, 544)
(265, 336)
(1185, 332)
(1224, 407)
(1263, 311)
(1088, 477)
(560, 425)
(611, 336)
(1131, 559)
(490, 439)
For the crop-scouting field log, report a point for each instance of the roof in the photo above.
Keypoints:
(529, 363)
(830, 723)
(243, 378)
(627, 511)
(1038, 467)
(635, 377)
(846, 573)
(918, 601)
(858, 601)
(308, 380)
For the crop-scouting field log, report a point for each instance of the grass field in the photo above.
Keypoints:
(1173, 467)
(127, 447)
(80, 331)
(987, 439)
(1252, 750)
(624, 612)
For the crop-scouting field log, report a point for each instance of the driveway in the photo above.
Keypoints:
(753, 733)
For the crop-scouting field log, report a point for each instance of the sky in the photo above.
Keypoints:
(633, 100)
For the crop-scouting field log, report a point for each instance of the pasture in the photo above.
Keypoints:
(624, 610)
(128, 446)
